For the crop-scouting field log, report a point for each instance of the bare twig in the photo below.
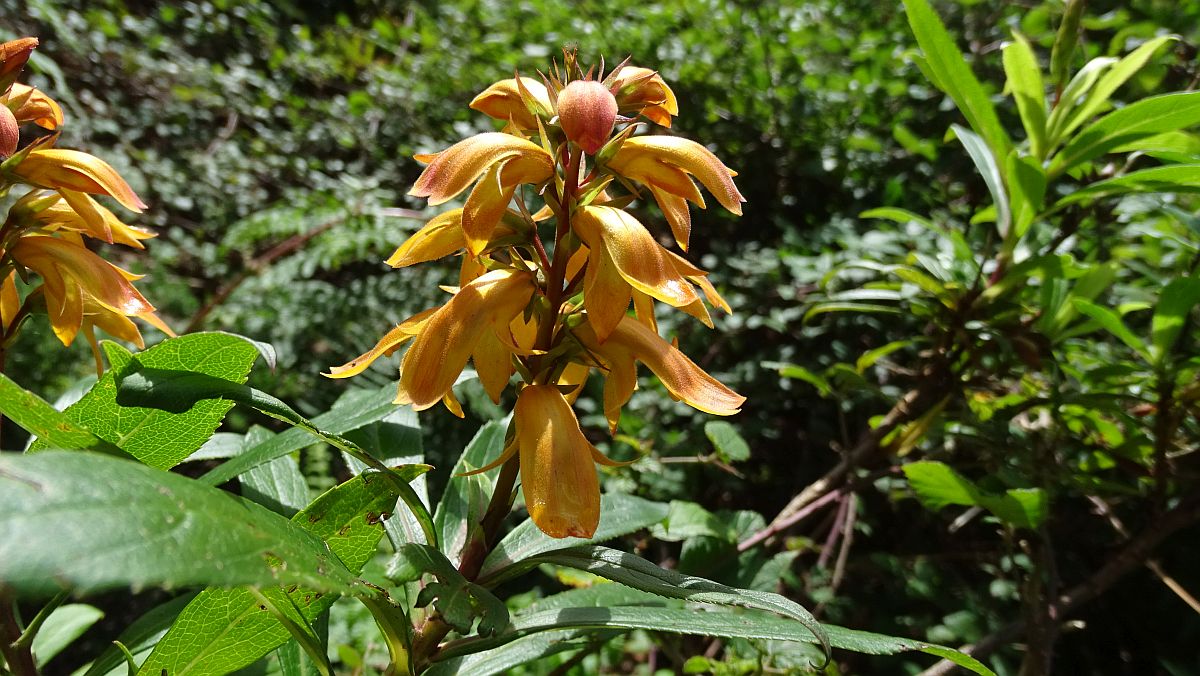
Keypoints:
(1133, 554)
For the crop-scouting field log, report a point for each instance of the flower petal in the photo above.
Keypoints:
(99, 279)
(391, 341)
(682, 378)
(452, 170)
(438, 238)
(57, 168)
(10, 301)
(485, 206)
(690, 157)
(440, 352)
(675, 209)
(493, 363)
(32, 105)
(606, 294)
(558, 478)
(503, 101)
(640, 260)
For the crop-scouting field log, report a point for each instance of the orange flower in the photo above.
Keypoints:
(587, 112)
(56, 168)
(31, 105)
(72, 275)
(517, 100)
(505, 159)
(641, 91)
(665, 164)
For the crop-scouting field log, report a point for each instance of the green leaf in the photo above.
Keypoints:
(521, 652)
(726, 439)
(1025, 81)
(1111, 321)
(953, 76)
(858, 308)
(350, 413)
(139, 638)
(1147, 117)
(222, 630)
(170, 536)
(62, 627)
(937, 485)
(458, 601)
(277, 485)
(750, 625)
(466, 497)
(1027, 185)
(1174, 304)
(989, 169)
(800, 373)
(1177, 178)
(619, 515)
(870, 357)
(962, 250)
(395, 440)
(176, 390)
(639, 573)
(41, 419)
(157, 437)
(1108, 83)
(1076, 89)
(687, 520)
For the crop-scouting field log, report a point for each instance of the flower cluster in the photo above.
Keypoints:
(552, 315)
(45, 229)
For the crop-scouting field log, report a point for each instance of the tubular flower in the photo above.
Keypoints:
(72, 274)
(504, 161)
(41, 238)
(520, 100)
(641, 91)
(550, 311)
(665, 165)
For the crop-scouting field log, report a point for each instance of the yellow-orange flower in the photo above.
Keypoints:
(641, 91)
(665, 164)
(505, 161)
(587, 111)
(517, 100)
(32, 105)
(631, 342)
(72, 275)
(57, 168)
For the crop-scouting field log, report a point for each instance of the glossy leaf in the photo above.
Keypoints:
(1025, 81)
(953, 75)
(157, 437)
(170, 536)
(466, 497)
(66, 624)
(1174, 304)
(619, 515)
(938, 486)
(222, 630)
(1111, 321)
(51, 426)
(1154, 115)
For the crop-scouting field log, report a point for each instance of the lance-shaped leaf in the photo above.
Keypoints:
(222, 630)
(173, 535)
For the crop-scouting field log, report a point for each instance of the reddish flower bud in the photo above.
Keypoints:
(587, 111)
(10, 133)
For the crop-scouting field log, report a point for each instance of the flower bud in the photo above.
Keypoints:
(587, 112)
(10, 133)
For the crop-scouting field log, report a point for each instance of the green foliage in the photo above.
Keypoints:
(1003, 317)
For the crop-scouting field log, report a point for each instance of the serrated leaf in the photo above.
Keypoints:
(170, 536)
(619, 515)
(696, 621)
(953, 76)
(222, 630)
(466, 497)
(178, 390)
(350, 413)
(640, 574)
(458, 601)
(41, 419)
(160, 438)
(727, 440)
(139, 638)
(395, 440)
(277, 485)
